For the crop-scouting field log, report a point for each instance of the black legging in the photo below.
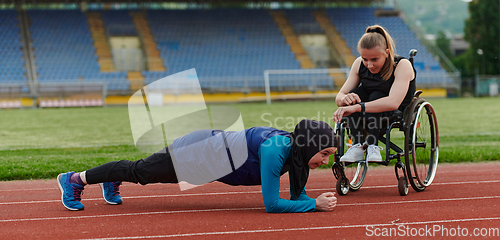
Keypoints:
(374, 121)
(157, 168)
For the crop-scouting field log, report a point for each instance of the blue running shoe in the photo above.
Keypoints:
(110, 192)
(70, 192)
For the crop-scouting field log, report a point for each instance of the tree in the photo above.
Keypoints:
(443, 43)
(460, 62)
(482, 31)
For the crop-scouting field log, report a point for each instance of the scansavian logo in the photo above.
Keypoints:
(205, 143)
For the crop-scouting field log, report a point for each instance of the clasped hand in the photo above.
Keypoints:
(347, 107)
(326, 202)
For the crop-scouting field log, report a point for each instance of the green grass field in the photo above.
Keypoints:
(41, 143)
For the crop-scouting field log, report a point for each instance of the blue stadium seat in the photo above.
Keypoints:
(11, 56)
(227, 43)
(219, 43)
(118, 23)
(64, 49)
(303, 22)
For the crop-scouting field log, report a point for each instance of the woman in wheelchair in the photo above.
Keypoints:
(379, 82)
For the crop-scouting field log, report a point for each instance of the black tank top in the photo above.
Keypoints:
(374, 82)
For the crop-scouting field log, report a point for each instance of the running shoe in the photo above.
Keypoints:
(70, 192)
(373, 153)
(354, 153)
(110, 192)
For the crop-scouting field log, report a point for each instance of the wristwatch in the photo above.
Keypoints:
(362, 104)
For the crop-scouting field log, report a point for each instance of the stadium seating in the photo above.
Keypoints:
(303, 22)
(229, 48)
(64, 50)
(11, 59)
(236, 44)
(118, 23)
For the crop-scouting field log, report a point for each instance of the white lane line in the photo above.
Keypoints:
(365, 187)
(130, 214)
(438, 183)
(419, 201)
(299, 229)
(28, 189)
(230, 193)
(245, 209)
(139, 197)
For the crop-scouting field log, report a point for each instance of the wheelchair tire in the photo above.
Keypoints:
(355, 172)
(402, 186)
(336, 170)
(421, 145)
(342, 186)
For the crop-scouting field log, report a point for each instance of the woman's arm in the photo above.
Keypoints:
(324, 203)
(345, 98)
(403, 75)
(272, 159)
(302, 196)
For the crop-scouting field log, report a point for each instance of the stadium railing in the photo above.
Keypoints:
(313, 79)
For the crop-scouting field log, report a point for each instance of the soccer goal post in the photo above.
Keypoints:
(310, 79)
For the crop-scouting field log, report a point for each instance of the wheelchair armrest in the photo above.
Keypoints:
(397, 112)
(397, 115)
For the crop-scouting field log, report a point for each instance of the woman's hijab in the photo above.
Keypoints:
(308, 138)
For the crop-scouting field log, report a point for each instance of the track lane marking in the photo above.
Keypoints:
(419, 201)
(243, 209)
(297, 229)
(229, 193)
(364, 187)
(136, 197)
(130, 214)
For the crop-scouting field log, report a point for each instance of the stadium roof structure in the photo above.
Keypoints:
(188, 1)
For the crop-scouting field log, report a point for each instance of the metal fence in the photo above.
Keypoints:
(487, 86)
(53, 94)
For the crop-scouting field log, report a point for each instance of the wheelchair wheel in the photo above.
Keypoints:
(402, 186)
(342, 186)
(355, 172)
(421, 145)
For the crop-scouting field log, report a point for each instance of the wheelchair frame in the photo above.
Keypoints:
(413, 170)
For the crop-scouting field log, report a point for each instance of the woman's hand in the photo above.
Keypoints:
(326, 202)
(350, 99)
(342, 112)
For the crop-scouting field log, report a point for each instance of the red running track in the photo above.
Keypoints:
(463, 200)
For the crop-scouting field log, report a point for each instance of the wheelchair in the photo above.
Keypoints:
(418, 124)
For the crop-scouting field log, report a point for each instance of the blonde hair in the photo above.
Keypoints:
(376, 35)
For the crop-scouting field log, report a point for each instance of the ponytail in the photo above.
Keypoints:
(374, 36)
